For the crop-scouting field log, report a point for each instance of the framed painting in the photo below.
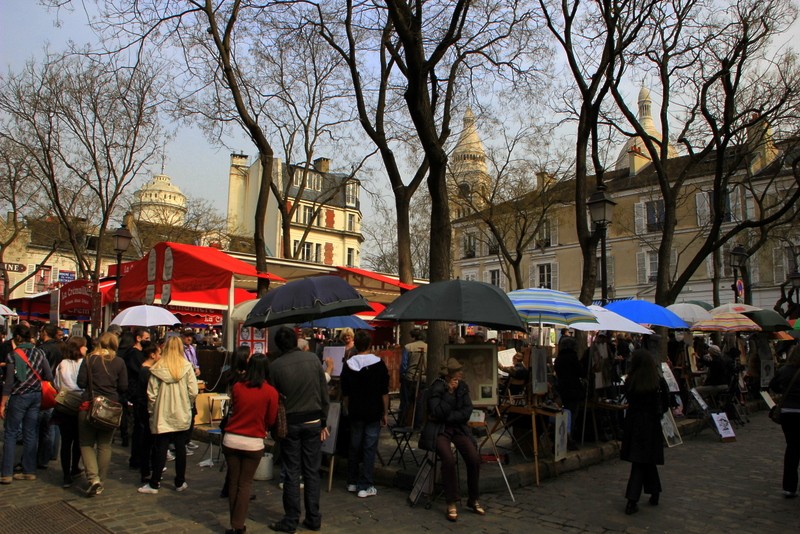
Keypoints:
(479, 363)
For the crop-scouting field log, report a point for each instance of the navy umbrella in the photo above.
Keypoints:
(344, 321)
(461, 301)
(307, 299)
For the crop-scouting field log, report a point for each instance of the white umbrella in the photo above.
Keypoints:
(6, 311)
(608, 320)
(145, 315)
(243, 309)
(691, 313)
(734, 307)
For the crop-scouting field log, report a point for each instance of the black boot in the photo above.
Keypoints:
(654, 499)
(631, 507)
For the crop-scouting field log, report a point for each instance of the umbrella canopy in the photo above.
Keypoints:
(6, 311)
(463, 301)
(306, 299)
(691, 313)
(243, 309)
(644, 312)
(769, 320)
(610, 321)
(735, 307)
(145, 315)
(548, 306)
(703, 304)
(344, 321)
(727, 322)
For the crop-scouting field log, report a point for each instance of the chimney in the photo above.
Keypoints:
(322, 165)
(637, 160)
(544, 179)
(760, 144)
(238, 160)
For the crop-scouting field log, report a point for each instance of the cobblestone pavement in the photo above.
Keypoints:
(709, 487)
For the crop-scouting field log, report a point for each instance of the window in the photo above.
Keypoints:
(469, 276)
(494, 277)
(784, 263)
(647, 265)
(544, 237)
(303, 252)
(351, 194)
(492, 246)
(470, 245)
(41, 280)
(609, 271)
(351, 257)
(313, 181)
(308, 215)
(545, 276)
(655, 215)
(351, 222)
(704, 203)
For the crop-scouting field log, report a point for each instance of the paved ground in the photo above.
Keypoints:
(708, 487)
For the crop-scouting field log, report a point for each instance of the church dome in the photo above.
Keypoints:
(160, 202)
(636, 144)
(468, 155)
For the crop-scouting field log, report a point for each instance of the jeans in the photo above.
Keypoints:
(94, 461)
(301, 452)
(642, 476)
(790, 423)
(162, 442)
(469, 452)
(22, 416)
(364, 444)
(146, 447)
(47, 438)
(242, 467)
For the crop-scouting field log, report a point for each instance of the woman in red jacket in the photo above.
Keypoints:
(254, 407)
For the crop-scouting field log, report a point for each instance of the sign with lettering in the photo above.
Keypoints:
(76, 298)
(66, 277)
(13, 267)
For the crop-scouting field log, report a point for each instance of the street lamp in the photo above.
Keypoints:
(122, 240)
(738, 258)
(601, 208)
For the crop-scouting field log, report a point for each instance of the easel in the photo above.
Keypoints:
(480, 422)
(329, 445)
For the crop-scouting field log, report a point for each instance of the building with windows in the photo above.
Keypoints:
(553, 258)
(326, 227)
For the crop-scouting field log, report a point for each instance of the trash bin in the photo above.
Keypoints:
(264, 469)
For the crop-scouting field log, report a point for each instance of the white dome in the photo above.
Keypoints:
(645, 117)
(161, 202)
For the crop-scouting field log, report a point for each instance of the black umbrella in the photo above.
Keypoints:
(768, 320)
(303, 300)
(461, 301)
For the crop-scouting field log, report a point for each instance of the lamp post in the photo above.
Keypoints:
(601, 208)
(737, 261)
(122, 240)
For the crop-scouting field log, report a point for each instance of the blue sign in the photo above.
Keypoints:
(65, 277)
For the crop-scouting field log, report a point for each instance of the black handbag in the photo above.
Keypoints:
(68, 402)
(104, 413)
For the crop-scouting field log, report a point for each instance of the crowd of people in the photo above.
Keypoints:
(158, 381)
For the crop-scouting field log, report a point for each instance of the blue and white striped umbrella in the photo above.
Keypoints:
(548, 306)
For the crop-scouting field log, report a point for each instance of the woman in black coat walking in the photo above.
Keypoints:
(642, 439)
(786, 383)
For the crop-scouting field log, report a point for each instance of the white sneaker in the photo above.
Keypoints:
(170, 456)
(369, 492)
(280, 485)
(148, 490)
(182, 487)
(192, 446)
(189, 453)
(352, 488)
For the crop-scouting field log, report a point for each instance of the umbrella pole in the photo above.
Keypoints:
(586, 398)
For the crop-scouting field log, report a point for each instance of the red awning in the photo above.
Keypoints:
(194, 275)
(32, 308)
(376, 276)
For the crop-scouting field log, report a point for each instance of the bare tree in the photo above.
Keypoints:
(87, 128)
(381, 251)
(722, 93)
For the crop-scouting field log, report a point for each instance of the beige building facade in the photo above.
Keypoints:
(554, 259)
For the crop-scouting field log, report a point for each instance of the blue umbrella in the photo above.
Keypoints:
(643, 312)
(344, 321)
(306, 299)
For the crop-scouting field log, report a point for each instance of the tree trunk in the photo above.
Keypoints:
(266, 157)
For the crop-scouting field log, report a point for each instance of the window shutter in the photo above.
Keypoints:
(532, 275)
(749, 205)
(778, 266)
(54, 275)
(554, 275)
(30, 284)
(503, 281)
(641, 267)
(753, 264)
(736, 203)
(710, 265)
(639, 218)
(703, 209)
(610, 269)
(487, 276)
(553, 231)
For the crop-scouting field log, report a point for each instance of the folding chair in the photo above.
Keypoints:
(402, 435)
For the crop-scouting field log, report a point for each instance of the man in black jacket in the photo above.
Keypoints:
(365, 387)
(49, 435)
(298, 376)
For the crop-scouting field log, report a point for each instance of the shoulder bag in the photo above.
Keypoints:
(281, 427)
(775, 411)
(104, 413)
(48, 389)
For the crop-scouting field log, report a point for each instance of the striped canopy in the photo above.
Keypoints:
(6, 311)
(548, 306)
(727, 322)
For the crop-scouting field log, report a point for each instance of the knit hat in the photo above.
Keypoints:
(452, 366)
